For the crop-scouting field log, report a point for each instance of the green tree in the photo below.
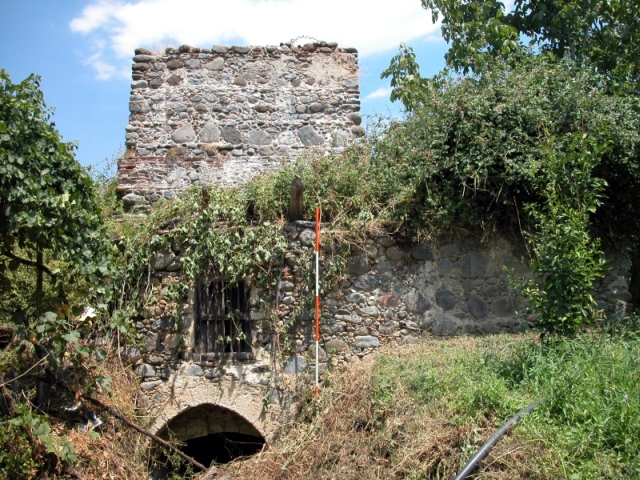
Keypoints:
(50, 227)
(600, 37)
(603, 33)
(471, 154)
(48, 206)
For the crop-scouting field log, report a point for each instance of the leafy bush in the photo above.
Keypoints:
(566, 260)
(472, 149)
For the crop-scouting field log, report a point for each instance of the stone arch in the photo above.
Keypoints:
(227, 400)
(205, 419)
(208, 433)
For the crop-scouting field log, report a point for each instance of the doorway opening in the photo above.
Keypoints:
(208, 433)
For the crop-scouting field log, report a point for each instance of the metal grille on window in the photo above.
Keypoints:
(224, 325)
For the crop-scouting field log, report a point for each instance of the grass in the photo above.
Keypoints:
(423, 411)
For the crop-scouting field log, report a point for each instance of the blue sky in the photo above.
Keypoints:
(82, 49)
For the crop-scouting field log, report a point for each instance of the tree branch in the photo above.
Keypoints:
(153, 437)
(54, 379)
(30, 263)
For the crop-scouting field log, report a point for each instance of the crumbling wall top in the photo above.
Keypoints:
(224, 114)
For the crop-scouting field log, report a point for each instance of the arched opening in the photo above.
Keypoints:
(209, 434)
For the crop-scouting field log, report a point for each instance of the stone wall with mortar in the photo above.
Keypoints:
(389, 294)
(398, 294)
(222, 115)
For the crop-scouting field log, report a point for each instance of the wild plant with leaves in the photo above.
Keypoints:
(55, 262)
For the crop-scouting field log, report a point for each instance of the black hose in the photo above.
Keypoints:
(486, 448)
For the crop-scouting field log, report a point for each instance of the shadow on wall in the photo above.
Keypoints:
(209, 434)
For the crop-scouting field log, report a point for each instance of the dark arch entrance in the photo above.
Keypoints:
(210, 434)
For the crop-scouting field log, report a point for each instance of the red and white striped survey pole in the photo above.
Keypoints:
(317, 298)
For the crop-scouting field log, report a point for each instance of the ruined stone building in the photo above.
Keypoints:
(222, 115)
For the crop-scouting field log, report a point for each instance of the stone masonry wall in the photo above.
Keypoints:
(222, 115)
(389, 294)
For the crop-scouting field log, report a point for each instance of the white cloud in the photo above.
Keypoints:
(104, 70)
(382, 92)
(94, 16)
(372, 26)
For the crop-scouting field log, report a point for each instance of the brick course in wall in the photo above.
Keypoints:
(221, 115)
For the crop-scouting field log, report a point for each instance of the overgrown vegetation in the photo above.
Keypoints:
(423, 411)
(542, 145)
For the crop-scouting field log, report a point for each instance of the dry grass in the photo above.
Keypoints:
(116, 452)
(348, 433)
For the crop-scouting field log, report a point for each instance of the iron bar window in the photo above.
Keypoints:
(223, 322)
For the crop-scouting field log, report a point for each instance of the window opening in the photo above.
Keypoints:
(224, 325)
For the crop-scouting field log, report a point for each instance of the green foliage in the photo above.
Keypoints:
(474, 147)
(604, 34)
(50, 223)
(474, 30)
(47, 200)
(591, 411)
(587, 425)
(16, 453)
(346, 187)
(25, 438)
(566, 260)
(407, 84)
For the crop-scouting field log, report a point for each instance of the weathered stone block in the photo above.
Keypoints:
(175, 64)
(420, 252)
(472, 265)
(516, 265)
(444, 266)
(151, 385)
(307, 238)
(416, 302)
(194, 370)
(394, 253)
(184, 134)
(452, 248)
(503, 306)
(146, 371)
(443, 326)
(490, 291)
(389, 300)
(259, 137)
(295, 364)
(132, 199)
(386, 241)
(351, 82)
(172, 341)
(231, 135)
(353, 319)
(151, 342)
(446, 299)
(216, 64)
(369, 311)
(389, 327)
(339, 139)
(336, 346)
(309, 136)
(162, 260)
(366, 341)
(366, 282)
(139, 106)
(358, 264)
(356, 297)
(477, 306)
(210, 133)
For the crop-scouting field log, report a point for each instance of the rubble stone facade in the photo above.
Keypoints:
(389, 294)
(222, 115)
